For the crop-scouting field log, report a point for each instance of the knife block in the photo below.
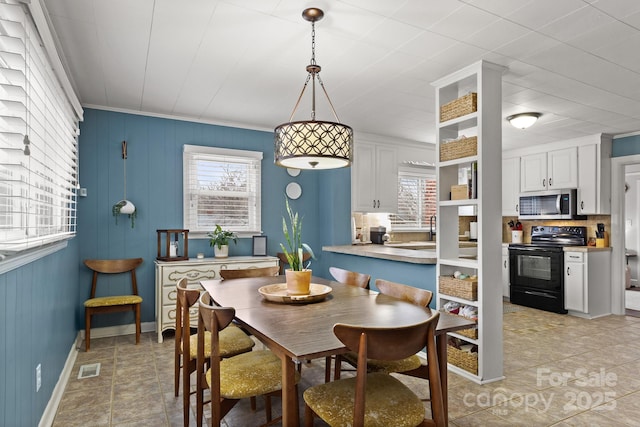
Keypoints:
(603, 242)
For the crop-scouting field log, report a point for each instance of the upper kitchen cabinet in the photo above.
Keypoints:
(374, 175)
(583, 163)
(594, 175)
(547, 171)
(510, 186)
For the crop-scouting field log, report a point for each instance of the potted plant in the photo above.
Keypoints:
(125, 207)
(219, 239)
(298, 275)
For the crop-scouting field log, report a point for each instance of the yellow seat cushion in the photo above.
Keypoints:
(113, 300)
(233, 341)
(250, 374)
(387, 366)
(388, 402)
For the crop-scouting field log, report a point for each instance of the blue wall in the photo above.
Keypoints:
(42, 302)
(154, 185)
(37, 313)
(627, 146)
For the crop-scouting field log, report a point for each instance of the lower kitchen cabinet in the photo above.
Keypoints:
(169, 272)
(587, 287)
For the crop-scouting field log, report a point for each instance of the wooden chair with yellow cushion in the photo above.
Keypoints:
(283, 260)
(113, 303)
(233, 341)
(251, 374)
(351, 278)
(411, 365)
(378, 398)
(249, 272)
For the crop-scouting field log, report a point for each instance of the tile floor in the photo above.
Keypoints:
(560, 371)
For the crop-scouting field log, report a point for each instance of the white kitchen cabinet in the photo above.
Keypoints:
(587, 282)
(505, 271)
(510, 186)
(484, 79)
(556, 169)
(374, 177)
(575, 293)
(594, 176)
(169, 272)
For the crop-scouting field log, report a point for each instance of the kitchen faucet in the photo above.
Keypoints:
(432, 222)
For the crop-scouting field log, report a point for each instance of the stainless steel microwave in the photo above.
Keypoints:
(554, 204)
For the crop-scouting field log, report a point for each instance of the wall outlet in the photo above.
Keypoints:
(38, 377)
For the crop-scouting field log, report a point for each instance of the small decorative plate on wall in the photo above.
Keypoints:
(293, 171)
(293, 190)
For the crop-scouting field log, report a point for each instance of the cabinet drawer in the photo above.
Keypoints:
(193, 274)
(170, 294)
(169, 316)
(574, 256)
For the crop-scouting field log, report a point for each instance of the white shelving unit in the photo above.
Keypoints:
(485, 79)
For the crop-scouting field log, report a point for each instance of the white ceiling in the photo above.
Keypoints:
(242, 62)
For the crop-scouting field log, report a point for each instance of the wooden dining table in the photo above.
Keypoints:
(299, 332)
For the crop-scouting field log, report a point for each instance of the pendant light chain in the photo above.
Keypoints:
(312, 144)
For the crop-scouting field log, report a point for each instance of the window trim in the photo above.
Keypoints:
(190, 150)
(36, 24)
(414, 172)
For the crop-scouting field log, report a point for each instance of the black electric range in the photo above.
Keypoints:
(536, 269)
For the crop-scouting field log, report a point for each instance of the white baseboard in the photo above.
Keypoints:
(115, 331)
(56, 396)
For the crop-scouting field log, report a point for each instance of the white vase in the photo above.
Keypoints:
(222, 252)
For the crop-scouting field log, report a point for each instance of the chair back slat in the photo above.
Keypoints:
(388, 343)
(113, 266)
(352, 278)
(249, 272)
(284, 261)
(417, 296)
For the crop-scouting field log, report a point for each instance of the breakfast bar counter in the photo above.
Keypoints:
(421, 256)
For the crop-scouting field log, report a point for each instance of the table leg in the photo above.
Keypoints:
(290, 413)
(441, 345)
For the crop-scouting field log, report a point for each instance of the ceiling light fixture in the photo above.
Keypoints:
(313, 144)
(523, 120)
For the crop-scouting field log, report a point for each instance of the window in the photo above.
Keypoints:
(416, 200)
(221, 186)
(39, 117)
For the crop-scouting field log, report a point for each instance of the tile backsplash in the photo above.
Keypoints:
(591, 224)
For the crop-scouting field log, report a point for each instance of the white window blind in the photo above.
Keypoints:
(38, 139)
(416, 200)
(221, 186)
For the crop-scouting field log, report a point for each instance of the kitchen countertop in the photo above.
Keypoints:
(585, 249)
(415, 256)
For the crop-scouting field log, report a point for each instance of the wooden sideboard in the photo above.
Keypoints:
(169, 272)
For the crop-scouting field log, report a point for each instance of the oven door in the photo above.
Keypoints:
(536, 268)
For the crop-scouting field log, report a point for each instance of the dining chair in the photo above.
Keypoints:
(251, 374)
(112, 303)
(378, 398)
(351, 278)
(249, 272)
(411, 365)
(283, 260)
(232, 341)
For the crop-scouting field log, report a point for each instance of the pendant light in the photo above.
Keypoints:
(313, 144)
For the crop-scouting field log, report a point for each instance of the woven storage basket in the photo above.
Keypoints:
(464, 147)
(469, 333)
(461, 288)
(459, 107)
(462, 359)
